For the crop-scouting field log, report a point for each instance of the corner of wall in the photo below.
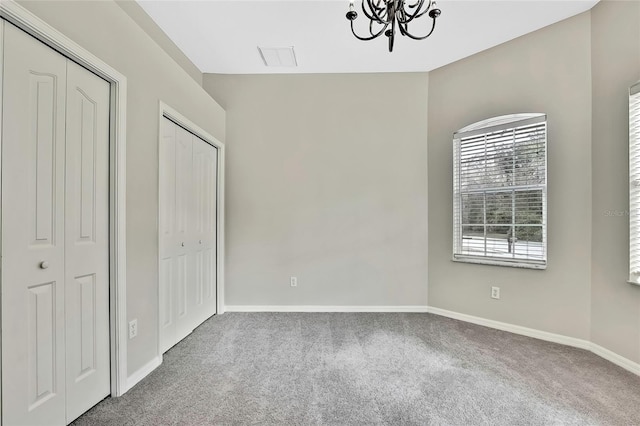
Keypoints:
(427, 186)
(148, 25)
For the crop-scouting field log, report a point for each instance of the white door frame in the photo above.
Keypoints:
(27, 21)
(165, 111)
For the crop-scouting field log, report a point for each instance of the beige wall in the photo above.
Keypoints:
(615, 304)
(108, 32)
(326, 181)
(549, 72)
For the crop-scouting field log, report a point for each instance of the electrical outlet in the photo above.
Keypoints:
(294, 281)
(495, 292)
(133, 328)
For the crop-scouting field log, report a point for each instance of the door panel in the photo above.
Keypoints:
(167, 237)
(177, 271)
(33, 155)
(166, 292)
(205, 170)
(42, 164)
(210, 281)
(182, 284)
(81, 306)
(42, 349)
(87, 240)
(199, 186)
(199, 277)
(185, 282)
(184, 164)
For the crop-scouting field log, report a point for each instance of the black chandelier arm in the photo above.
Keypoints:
(424, 12)
(403, 17)
(427, 9)
(408, 17)
(412, 6)
(374, 34)
(372, 14)
(379, 10)
(367, 38)
(377, 5)
(404, 31)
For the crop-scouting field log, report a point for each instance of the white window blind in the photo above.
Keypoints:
(500, 191)
(634, 184)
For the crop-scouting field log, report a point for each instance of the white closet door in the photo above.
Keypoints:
(184, 289)
(55, 235)
(188, 208)
(33, 164)
(177, 279)
(204, 184)
(87, 240)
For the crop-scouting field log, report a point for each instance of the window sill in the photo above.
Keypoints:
(495, 262)
(634, 279)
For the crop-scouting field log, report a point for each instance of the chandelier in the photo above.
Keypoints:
(395, 13)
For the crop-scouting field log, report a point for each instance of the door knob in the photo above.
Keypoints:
(200, 242)
(44, 265)
(182, 244)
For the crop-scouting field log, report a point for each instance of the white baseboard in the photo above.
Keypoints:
(516, 329)
(611, 356)
(321, 308)
(618, 360)
(142, 372)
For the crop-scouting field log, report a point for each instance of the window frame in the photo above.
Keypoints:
(634, 184)
(488, 126)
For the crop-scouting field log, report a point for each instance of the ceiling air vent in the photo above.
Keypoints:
(278, 56)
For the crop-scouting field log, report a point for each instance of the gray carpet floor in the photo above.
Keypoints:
(370, 368)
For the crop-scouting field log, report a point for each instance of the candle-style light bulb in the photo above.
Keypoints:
(352, 14)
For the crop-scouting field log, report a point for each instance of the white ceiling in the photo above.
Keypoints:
(221, 36)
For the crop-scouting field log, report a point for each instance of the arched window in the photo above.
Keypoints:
(500, 191)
